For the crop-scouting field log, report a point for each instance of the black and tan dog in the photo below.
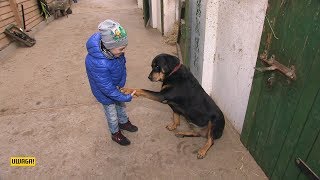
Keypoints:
(183, 93)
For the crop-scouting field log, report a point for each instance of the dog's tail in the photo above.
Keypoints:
(218, 128)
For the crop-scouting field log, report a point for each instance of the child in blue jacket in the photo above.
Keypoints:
(106, 70)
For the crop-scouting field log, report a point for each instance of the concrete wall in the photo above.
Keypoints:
(225, 38)
(154, 13)
(210, 43)
(237, 42)
(159, 16)
(169, 15)
(198, 19)
(140, 4)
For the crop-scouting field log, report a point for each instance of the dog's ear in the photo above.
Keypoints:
(171, 62)
(165, 69)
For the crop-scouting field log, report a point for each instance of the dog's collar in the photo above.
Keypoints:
(175, 69)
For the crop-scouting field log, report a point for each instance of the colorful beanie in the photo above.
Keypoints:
(113, 35)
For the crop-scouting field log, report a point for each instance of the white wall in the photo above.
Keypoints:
(169, 15)
(198, 31)
(154, 13)
(140, 4)
(210, 43)
(159, 15)
(240, 24)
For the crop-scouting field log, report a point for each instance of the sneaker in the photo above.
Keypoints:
(120, 138)
(128, 127)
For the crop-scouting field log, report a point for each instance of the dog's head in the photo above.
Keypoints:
(162, 65)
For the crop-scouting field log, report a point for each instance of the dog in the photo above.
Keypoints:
(183, 93)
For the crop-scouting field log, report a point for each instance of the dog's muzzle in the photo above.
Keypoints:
(150, 77)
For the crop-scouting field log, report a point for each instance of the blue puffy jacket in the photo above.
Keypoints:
(105, 74)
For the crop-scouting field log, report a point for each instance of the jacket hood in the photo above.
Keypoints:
(93, 46)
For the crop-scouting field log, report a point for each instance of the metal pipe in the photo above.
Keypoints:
(23, 19)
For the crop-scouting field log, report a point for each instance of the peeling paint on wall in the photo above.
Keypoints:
(197, 29)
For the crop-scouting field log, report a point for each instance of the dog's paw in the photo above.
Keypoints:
(179, 135)
(171, 127)
(201, 154)
(130, 91)
(126, 90)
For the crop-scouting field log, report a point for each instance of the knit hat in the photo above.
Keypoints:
(113, 34)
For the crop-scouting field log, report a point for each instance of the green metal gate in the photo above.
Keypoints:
(184, 32)
(282, 121)
(146, 12)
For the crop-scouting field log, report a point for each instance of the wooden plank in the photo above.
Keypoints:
(4, 42)
(7, 15)
(8, 21)
(250, 117)
(32, 14)
(32, 8)
(29, 4)
(270, 96)
(251, 137)
(35, 22)
(303, 46)
(4, 27)
(310, 130)
(5, 10)
(304, 107)
(2, 35)
(14, 8)
(32, 18)
(313, 159)
(21, 1)
(4, 3)
(269, 101)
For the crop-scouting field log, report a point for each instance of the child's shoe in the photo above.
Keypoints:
(120, 138)
(128, 126)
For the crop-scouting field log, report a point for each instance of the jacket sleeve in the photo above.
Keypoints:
(104, 83)
(124, 75)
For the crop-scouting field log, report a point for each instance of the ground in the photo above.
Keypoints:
(47, 110)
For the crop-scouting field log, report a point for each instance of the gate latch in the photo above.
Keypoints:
(275, 65)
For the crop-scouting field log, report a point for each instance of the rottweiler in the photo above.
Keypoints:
(183, 93)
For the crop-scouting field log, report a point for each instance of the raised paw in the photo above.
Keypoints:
(126, 90)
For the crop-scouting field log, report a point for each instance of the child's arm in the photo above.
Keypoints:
(123, 79)
(104, 82)
(124, 75)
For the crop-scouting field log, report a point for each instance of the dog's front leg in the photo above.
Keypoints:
(156, 96)
(175, 123)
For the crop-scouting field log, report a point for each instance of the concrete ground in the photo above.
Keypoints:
(47, 110)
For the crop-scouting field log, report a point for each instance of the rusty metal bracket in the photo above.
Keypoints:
(275, 65)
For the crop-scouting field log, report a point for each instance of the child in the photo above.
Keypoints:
(106, 70)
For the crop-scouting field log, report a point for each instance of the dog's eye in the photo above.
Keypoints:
(157, 68)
